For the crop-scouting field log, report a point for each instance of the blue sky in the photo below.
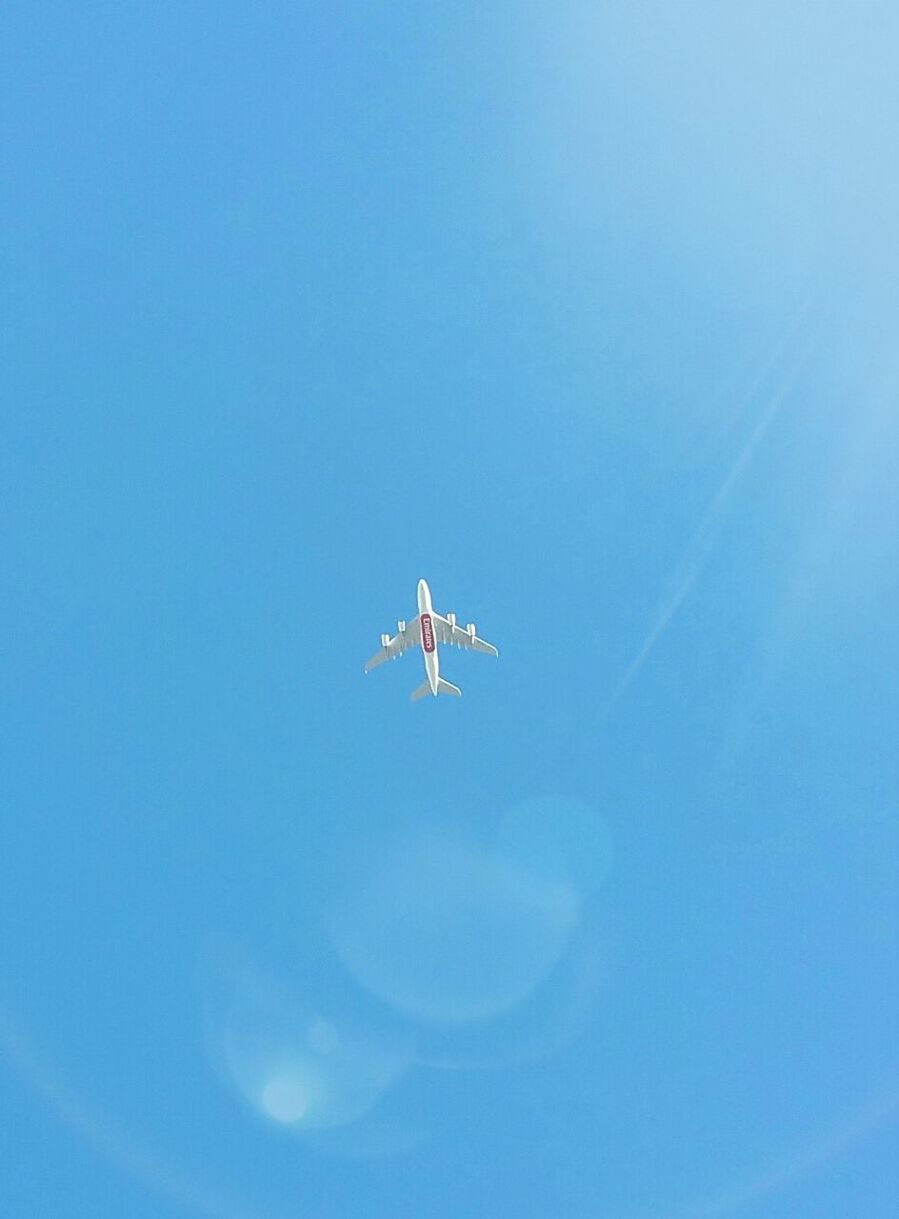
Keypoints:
(587, 314)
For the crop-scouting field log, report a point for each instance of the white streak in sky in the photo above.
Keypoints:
(791, 337)
(879, 1109)
(703, 540)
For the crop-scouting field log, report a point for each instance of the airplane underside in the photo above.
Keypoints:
(426, 631)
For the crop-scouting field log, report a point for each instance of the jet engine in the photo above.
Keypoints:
(472, 630)
(451, 619)
(385, 639)
(401, 626)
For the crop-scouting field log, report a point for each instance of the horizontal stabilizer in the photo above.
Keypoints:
(443, 687)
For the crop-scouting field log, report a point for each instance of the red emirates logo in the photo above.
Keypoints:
(427, 633)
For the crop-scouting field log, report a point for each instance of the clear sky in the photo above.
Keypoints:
(587, 313)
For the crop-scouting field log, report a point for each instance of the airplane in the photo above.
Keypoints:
(426, 630)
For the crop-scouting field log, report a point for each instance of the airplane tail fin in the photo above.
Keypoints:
(443, 687)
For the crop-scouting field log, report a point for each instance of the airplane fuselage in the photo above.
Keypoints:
(428, 638)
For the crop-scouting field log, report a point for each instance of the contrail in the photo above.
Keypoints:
(791, 337)
(701, 543)
(857, 1125)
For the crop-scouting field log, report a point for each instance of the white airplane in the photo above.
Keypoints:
(426, 631)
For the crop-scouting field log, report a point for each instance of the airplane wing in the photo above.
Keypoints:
(401, 642)
(450, 633)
